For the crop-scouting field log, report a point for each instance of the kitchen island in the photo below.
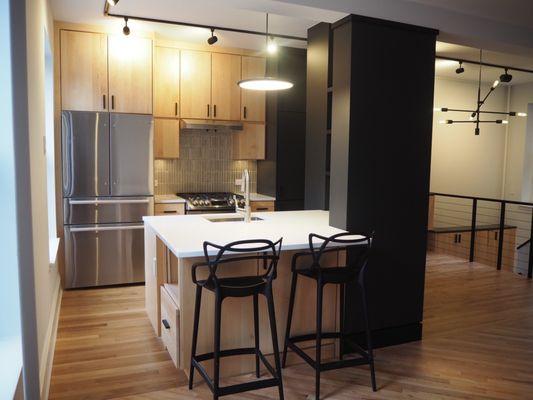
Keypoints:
(174, 243)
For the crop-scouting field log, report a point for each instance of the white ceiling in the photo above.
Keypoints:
(294, 17)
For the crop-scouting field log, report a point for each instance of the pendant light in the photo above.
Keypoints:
(266, 83)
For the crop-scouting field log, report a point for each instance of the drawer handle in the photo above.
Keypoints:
(166, 324)
(169, 212)
(262, 208)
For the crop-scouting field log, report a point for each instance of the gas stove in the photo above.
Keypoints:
(204, 203)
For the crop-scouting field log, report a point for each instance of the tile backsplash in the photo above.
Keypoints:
(205, 165)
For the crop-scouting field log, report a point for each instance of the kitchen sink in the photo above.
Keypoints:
(232, 219)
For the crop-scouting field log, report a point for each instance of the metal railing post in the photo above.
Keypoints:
(473, 230)
(500, 238)
(530, 263)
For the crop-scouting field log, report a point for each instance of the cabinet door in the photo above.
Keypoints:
(253, 101)
(195, 91)
(249, 144)
(225, 91)
(130, 74)
(166, 138)
(83, 71)
(166, 82)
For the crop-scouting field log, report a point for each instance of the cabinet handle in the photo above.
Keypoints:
(459, 236)
(176, 108)
(208, 109)
(261, 209)
(455, 238)
(169, 212)
(245, 112)
(112, 101)
(215, 110)
(103, 97)
(166, 324)
(495, 235)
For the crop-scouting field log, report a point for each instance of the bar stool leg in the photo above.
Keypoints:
(341, 321)
(369, 340)
(216, 352)
(318, 337)
(274, 332)
(256, 335)
(289, 317)
(197, 305)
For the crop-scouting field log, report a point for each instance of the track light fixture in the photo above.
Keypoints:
(112, 2)
(213, 39)
(126, 29)
(506, 77)
(460, 70)
(272, 46)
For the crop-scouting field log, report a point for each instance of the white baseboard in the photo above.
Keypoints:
(47, 356)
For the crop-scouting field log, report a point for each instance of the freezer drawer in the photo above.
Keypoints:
(85, 153)
(98, 255)
(131, 150)
(101, 210)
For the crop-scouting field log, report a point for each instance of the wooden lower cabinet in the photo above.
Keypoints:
(262, 206)
(166, 138)
(170, 321)
(169, 209)
(485, 247)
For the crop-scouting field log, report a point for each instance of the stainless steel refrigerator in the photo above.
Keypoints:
(107, 188)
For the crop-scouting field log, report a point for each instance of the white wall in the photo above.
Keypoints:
(521, 95)
(47, 282)
(461, 162)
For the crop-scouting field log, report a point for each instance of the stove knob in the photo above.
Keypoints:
(231, 202)
(205, 202)
(195, 202)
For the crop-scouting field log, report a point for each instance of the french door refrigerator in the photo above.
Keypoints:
(107, 161)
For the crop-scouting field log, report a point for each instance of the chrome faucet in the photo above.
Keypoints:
(245, 188)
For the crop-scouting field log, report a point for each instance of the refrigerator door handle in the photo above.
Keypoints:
(113, 201)
(106, 228)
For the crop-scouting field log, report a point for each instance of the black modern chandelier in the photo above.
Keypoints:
(475, 115)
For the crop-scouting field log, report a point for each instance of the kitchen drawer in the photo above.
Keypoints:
(169, 208)
(262, 205)
(170, 321)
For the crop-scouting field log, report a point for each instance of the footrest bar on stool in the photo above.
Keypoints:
(244, 387)
(267, 364)
(312, 336)
(302, 354)
(343, 364)
(204, 374)
(226, 353)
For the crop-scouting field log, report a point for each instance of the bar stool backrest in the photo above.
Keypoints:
(343, 241)
(263, 250)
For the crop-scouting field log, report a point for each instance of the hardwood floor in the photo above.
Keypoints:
(478, 344)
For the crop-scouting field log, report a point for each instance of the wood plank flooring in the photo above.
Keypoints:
(478, 344)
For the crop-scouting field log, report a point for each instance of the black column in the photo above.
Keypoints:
(383, 78)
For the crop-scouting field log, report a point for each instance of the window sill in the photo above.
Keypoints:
(53, 249)
(10, 367)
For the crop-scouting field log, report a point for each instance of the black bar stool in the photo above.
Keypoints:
(353, 272)
(266, 252)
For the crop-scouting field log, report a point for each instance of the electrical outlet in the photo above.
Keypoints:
(238, 182)
(156, 182)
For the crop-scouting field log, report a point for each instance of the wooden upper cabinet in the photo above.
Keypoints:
(225, 91)
(253, 101)
(166, 82)
(249, 144)
(195, 91)
(84, 71)
(166, 138)
(130, 74)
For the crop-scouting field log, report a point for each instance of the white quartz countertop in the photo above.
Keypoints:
(259, 197)
(168, 198)
(184, 235)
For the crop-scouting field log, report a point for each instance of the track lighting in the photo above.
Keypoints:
(460, 70)
(272, 46)
(522, 114)
(506, 77)
(112, 2)
(496, 83)
(126, 29)
(213, 39)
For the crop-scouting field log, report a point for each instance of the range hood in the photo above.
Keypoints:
(209, 124)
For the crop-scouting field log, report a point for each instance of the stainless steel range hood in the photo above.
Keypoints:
(209, 124)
